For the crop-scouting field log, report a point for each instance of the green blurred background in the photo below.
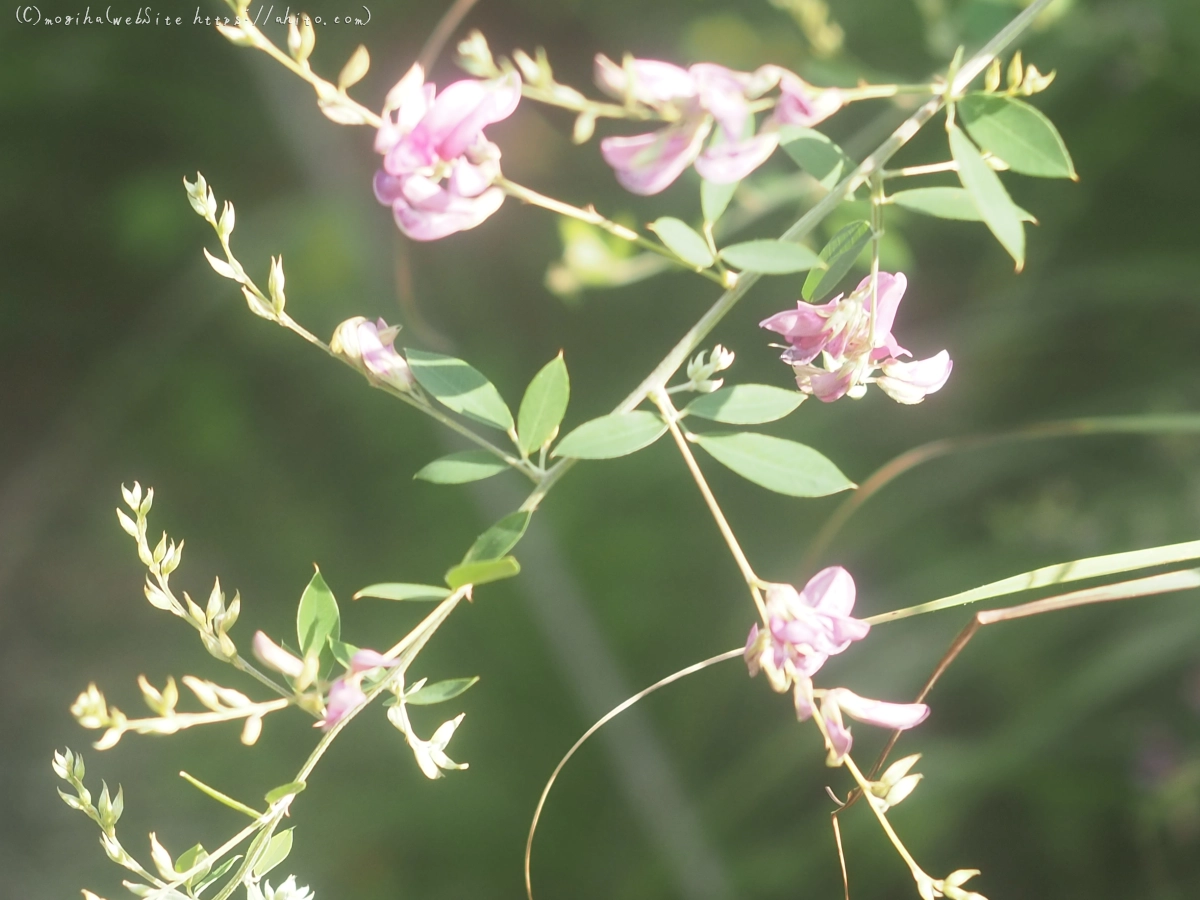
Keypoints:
(1063, 752)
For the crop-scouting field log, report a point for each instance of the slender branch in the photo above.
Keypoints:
(606, 718)
(589, 215)
(753, 582)
(910, 459)
(445, 27)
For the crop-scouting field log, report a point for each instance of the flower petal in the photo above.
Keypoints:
(901, 716)
(648, 163)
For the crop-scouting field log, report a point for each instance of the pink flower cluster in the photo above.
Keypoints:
(438, 167)
(804, 628)
(694, 101)
(853, 337)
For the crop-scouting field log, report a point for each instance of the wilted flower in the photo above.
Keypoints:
(853, 337)
(369, 345)
(805, 628)
(438, 167)
(901, 716)
(693, 101)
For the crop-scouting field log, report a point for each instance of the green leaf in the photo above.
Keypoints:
(459, 387)
(401, 591)
(996, 207)
(774, 463)
(684, 241)
(771, 257)
(1060, 573)
(276, 852)
(816, 154)
(440, 691)
(482, 572)
(946, 203)
(608, 437)
(714, 199)
(500, 538)
(189, 858)
(342, 652)
(543, 406)
(459, 468)
(745, 404)
(838, 255)
(1017, 133)
(317, 617)
(285, 790)
(215, 874)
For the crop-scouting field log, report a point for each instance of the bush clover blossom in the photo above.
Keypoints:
(804, 628)
(695, 101)
(438, 167)
(369, 347)
(346, 692)
(853, 337)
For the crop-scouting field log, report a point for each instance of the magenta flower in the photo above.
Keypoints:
(801, 103)
(896, 716)
(804, 628)
(344, 695)
(370, 346)
(853, 337)
(438, 167)
(365, 660)
(695, 101)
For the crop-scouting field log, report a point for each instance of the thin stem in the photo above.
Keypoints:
(877, 199)
(928, 169)
(882, 91)
(592, 217)
(449, 21)
(598, 109)
(864, 786)
(924, 453)
(322, 87)
(663, 402)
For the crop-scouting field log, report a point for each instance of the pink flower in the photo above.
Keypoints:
(344, 695)
(853, 337)
(700, 101)
(370, 347)
(275, 657)
(896, 716)
(365, 660)
(804, 628)
(801, 103)
(438, 167)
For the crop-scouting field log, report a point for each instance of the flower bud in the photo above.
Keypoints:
(275, 657)
(368, 347)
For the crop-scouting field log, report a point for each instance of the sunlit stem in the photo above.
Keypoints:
(753, 582)
(417, 401)
(180, 721)
(918, 873)
(323, 87)
(929, 169)
(877, 201)
(599, 110)
(403, 652)
(589, 215)
(881, 91)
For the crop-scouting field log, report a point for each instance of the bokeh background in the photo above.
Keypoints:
(1064, 752)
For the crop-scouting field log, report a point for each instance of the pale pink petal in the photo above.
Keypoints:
(365, 660)
(839, 738)
(654, 82)
(802, 699)
(721, 92)
(830, 591)
(800, 103)
(899, 716)
(272, 655)
(891, 291)
(344, 695)
(910, 382)
(648, 163)
(461, 111)
(725, 162)
(426, 215)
